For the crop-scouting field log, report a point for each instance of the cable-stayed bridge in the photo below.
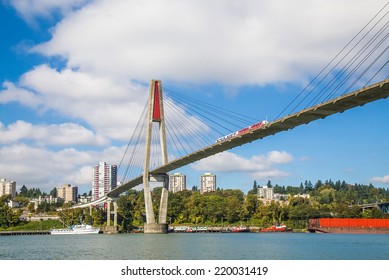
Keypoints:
(174, 131)
(338, 105)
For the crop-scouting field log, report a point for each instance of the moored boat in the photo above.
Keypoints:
(77, 229)
(240, 229)
(281, 228)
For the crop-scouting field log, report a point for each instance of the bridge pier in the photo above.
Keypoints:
(114, 228)
(156, 228)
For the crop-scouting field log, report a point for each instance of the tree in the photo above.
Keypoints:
(318, 184)
(250, 205)
(5, 199)
(234, 210)
(23, 191)
(9, 217)
(23, 201)
(31, 207)
(53, 192)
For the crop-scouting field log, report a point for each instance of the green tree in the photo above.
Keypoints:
(125, 212)
(23, 191)
(23, 201)
(254, 190)
(9, 217)
(53, 192)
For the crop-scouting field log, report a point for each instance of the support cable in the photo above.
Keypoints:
(327, 66)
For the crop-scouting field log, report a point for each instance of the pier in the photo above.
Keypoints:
(32, 232)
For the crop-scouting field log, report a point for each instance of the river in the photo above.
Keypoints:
(191, 246)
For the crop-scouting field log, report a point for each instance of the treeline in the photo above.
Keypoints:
(36, 192)
(233, 207)
(330, 191)
(326, 199)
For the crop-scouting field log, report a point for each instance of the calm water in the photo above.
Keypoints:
(216, 246)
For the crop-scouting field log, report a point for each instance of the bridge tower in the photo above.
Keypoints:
(155, 115)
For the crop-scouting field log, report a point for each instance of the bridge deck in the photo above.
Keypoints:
(357, 98)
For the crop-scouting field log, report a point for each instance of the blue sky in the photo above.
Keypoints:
(74, 76)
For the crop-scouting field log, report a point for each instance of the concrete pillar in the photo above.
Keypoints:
(156, 228)
(108, 213)
(111, 229)
(115, 214)
(164, 199)
(150, 218)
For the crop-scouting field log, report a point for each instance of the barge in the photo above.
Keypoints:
(348, 225)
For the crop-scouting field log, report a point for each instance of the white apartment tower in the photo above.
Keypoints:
(68, 193)
(177, 182)
(104, 179)
(207, 183)
(265, 192)
(7, 187)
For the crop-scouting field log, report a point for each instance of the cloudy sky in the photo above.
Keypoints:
(74, 78)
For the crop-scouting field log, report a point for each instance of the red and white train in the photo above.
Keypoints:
(242, 131)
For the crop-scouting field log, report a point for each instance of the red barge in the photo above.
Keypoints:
(348, 225)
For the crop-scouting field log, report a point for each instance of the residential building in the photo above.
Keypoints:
(207, 183)
(68, 193)
(265, 193)
(13, 204)
(84, 199)
(280, 196)
(177, 182)
(303, 195)
(104, 179)
(7, 188)
(49, 199)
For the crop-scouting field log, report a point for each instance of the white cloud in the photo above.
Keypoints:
(259, 166)
(206, 41)
(66, 134)
(108, 107)
(13, 93)
(384, 179)
(43, 168)
(30, 9)
(305, 158)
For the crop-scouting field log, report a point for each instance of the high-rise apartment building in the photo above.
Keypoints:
(207, 183)
(104, 179)
(68, 193)
(266, 193)
(7, 187)
(177, 182)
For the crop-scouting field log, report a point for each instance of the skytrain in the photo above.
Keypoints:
(242, 131)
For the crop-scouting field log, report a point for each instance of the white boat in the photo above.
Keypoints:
(77, 229)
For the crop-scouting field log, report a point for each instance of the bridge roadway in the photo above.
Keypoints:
(340, 104)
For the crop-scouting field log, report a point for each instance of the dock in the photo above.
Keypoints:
(23, 232)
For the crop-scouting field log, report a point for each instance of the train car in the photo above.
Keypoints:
(242, 131)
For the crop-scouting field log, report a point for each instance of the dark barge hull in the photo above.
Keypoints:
(349, 225)
(349, 230)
